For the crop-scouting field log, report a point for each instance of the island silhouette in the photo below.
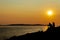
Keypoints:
(25, 25)
(38, 35)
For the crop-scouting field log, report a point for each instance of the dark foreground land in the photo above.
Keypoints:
(40, 35)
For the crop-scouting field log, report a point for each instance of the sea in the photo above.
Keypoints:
(9, 31)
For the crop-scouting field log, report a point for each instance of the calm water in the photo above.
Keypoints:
(7, 32)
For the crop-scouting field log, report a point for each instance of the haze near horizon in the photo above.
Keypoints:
(29, 11)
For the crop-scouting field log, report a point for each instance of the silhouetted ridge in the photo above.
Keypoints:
(24, 25)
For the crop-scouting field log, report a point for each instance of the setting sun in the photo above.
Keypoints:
(50, 13)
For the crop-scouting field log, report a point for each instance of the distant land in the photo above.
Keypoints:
(25, 25)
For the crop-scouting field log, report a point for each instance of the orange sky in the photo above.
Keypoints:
(29, 11)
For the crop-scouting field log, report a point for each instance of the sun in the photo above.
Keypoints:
(50, 13)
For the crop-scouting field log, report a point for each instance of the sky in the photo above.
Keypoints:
(29, 11)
